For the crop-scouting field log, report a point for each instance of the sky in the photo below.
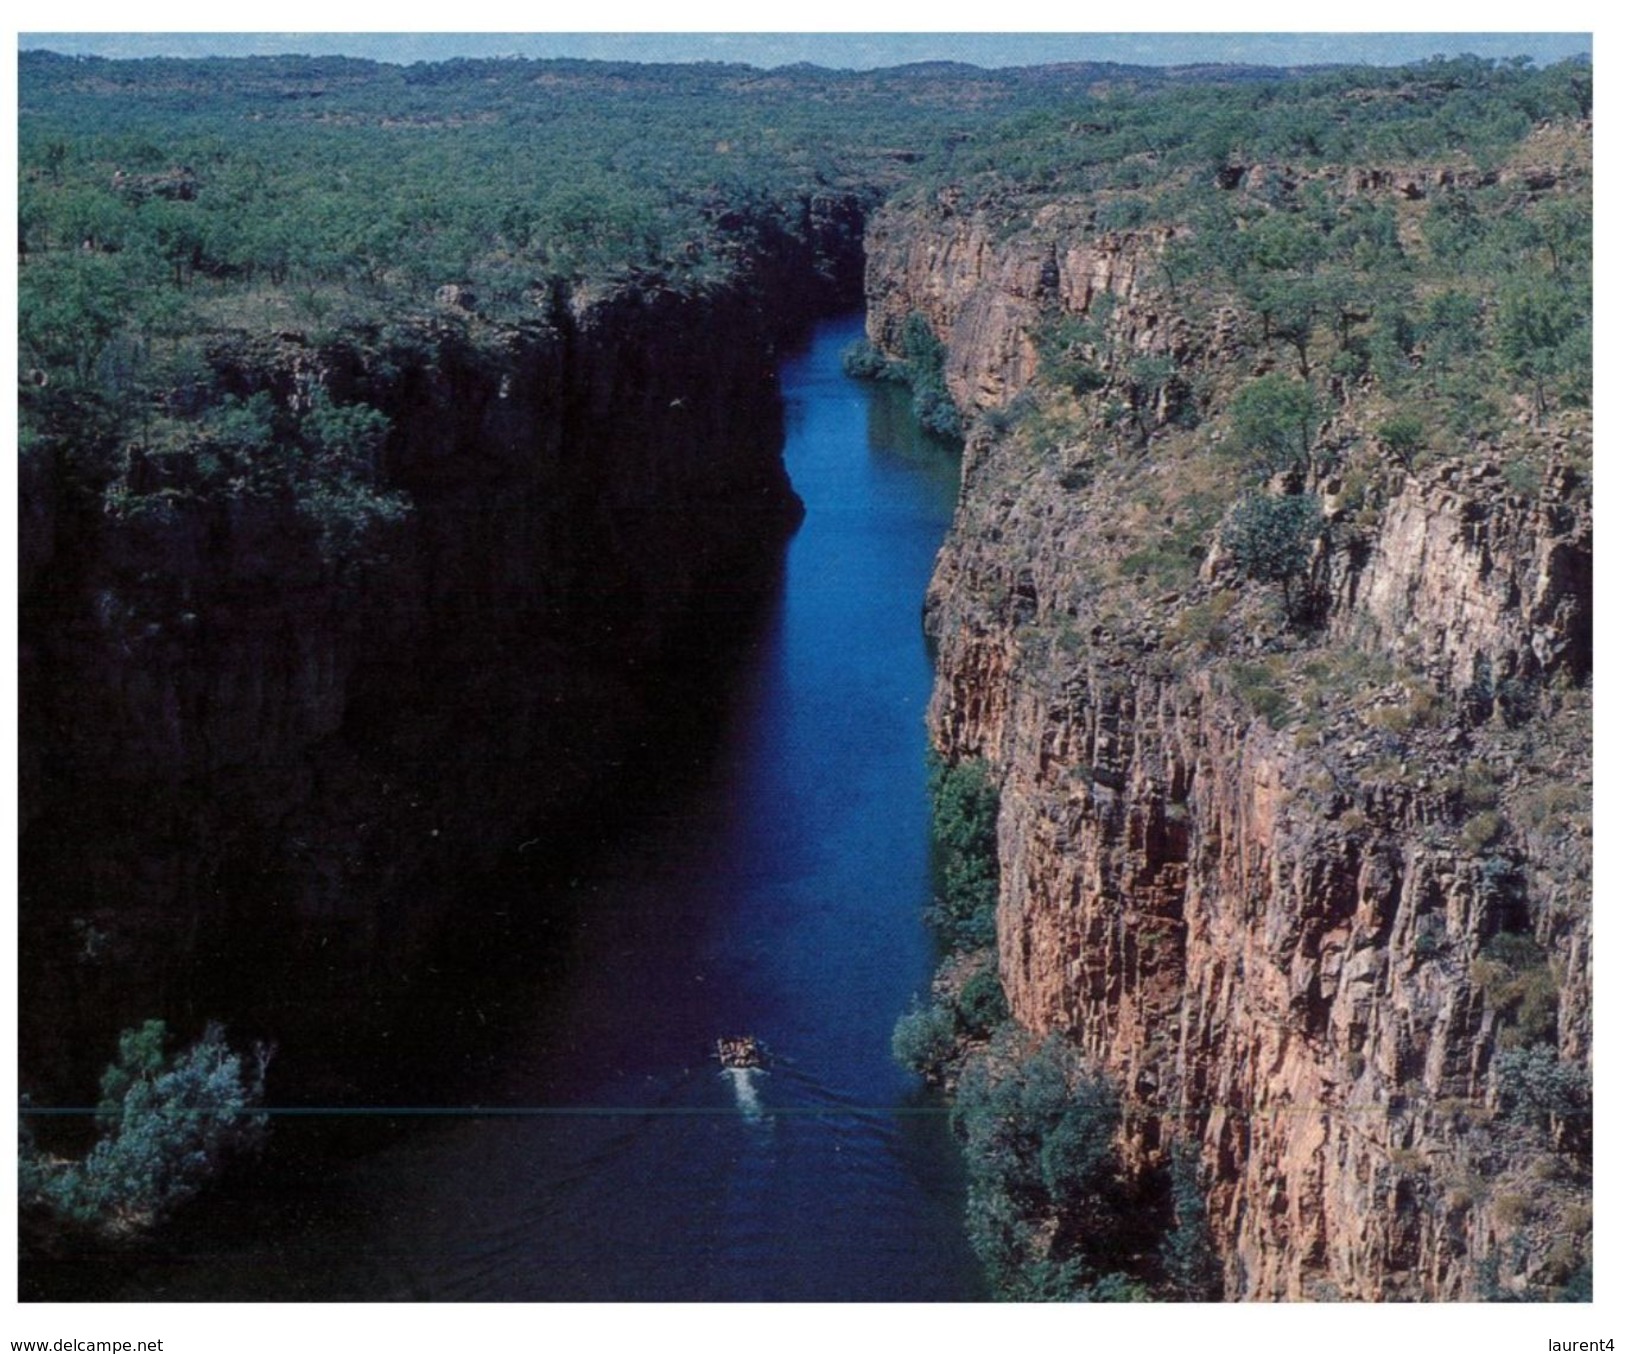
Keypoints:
(849, 50)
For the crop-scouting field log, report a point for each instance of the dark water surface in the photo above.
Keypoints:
(781, 894)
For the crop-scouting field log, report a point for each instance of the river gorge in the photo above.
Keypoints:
(481, 656)
(775, 883)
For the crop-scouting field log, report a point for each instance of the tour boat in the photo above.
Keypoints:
(741, 1051)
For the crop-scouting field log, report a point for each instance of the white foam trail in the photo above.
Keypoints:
(750, 1104)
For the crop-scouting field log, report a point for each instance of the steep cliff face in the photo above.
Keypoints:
(1467, 579)
(985, 295)
(1301, 894)
(269, 747)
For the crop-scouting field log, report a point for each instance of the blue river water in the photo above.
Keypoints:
(780, 894)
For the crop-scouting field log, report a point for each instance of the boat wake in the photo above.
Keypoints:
(745, 1093)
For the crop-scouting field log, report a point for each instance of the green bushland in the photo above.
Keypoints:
(1366, 331)
(1125, 149)
(169, 1123)
(348, 192)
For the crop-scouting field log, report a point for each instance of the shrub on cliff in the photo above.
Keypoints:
(923, 356)
(923, 351)
(1272, 422)
(1189, 1262)
(865, 362)
(937, 413)
(1074, 351)
(923, 1040)
(169, 1124)
(981, 1005)
(1272, 540)
(1043, 1212)
(1533, 1086)
(929, 1038)
(919, 368)
(964, 817)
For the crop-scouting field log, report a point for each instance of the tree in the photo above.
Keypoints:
(1272, 540)
(140, 1058)
(1403, 433)
(1188, 1258)
(964, 817)
(1561, 227)
(1453, 227)
(91, 219)
(1345, 297)
(1543, 336)
(68, 310)
(169, 1125)
(1295, 307)
(923, 1039)
(1367, 235)
(1450, 323)
(1044, 1207)
(174, 231)
(1285, 242)
(1272, 420)
(981, 1004)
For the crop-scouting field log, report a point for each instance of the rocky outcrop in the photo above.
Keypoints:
(1298, 947)
(1476, 583)
(985, 297)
